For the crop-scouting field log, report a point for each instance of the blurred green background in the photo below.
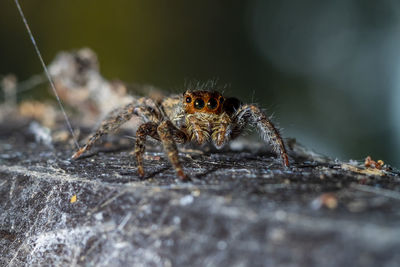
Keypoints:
(328, 70)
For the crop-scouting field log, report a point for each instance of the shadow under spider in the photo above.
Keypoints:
(151, 175)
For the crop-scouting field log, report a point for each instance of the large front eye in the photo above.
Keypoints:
(188, 99)
(212, 103)
(199, 103)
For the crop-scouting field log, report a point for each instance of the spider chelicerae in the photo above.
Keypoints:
(197, 116)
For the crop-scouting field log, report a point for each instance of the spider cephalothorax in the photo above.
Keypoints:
(197, 116)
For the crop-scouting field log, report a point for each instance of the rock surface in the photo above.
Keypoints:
(241, 209)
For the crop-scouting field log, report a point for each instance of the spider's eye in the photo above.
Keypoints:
(199, 103)
(212, 103)
(188, 99)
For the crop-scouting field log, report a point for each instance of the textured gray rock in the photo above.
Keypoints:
(241, 209)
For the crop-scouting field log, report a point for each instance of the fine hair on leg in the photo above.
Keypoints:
(269, 133)
(144, 130)
(165, 131)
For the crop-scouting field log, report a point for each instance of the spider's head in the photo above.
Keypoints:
(203, 101)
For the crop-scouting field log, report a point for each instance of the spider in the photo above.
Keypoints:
(197, 116)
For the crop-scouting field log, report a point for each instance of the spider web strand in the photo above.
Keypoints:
(47, 73)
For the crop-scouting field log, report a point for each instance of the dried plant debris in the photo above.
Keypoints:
(81, 88)
(371, 164)
(370, 167)
(44, 113)
(367, 171)
(86, 95)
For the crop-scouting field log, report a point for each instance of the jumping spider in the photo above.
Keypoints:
(196, 116)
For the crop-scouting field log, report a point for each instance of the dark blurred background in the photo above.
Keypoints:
(328, 70)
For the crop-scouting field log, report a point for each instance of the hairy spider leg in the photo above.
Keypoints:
(221, 132)
(114, 121)
(268, 131)
(195, 127)
(168, 133)
(148, 128)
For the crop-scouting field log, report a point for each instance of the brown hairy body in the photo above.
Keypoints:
(197, 116)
